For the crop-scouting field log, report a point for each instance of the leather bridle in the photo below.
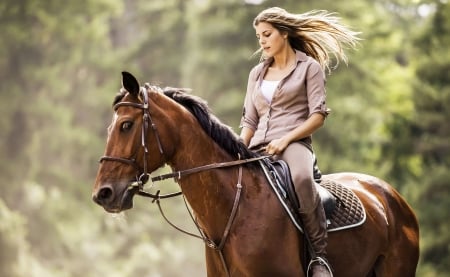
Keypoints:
(143, 175)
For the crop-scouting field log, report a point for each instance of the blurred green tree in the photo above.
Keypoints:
(430, 133)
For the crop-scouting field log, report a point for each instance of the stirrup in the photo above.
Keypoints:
(320, 261)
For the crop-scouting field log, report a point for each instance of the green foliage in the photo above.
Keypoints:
(60, 66)
(12, 240)
(431, 138)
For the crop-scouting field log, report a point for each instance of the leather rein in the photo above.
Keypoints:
(143, 175)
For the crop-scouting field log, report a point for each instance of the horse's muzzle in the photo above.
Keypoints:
(113, 201)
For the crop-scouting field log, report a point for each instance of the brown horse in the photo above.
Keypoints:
(246, 230)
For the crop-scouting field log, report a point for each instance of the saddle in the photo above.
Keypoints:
(343, 209)
(280, 171)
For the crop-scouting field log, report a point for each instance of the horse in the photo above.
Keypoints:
(245, 229)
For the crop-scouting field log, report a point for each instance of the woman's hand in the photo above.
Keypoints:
(314, 122)
(277, 146)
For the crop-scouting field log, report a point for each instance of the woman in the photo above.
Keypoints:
(285, 103)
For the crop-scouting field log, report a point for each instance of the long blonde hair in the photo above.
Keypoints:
(317, 33)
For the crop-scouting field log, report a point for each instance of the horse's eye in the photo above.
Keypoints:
(126, 126)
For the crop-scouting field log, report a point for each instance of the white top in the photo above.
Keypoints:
(268, 89)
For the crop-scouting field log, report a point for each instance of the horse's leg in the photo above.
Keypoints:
(387, 267)
(354, 252)
(401, 259)
(402, 255)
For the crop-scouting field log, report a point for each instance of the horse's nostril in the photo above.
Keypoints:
(104, 195)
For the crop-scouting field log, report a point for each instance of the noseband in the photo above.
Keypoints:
(143, 175)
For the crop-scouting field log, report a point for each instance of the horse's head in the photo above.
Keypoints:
(152, 127)
(133, 148)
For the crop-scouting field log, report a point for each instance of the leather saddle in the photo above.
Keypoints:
(280, 172)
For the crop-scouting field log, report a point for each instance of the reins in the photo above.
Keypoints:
(177, 175)
(208, 242)
(143, 177)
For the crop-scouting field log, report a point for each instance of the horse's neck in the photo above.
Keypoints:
(195, 149)
(210, 193)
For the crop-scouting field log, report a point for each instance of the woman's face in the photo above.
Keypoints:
(270, 39)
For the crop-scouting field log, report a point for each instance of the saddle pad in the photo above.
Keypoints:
(349, 211)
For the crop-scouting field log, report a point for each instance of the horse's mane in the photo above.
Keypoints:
(219, 132)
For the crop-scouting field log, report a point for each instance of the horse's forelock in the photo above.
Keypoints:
(119, 96)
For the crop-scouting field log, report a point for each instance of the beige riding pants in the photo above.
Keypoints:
(300, 161)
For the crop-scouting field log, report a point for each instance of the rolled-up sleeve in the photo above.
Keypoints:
(316, 90)
(250, 117)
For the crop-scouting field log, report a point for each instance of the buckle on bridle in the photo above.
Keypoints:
(143, 179)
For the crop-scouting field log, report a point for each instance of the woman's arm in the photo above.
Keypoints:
(307, 128)
(246, 135)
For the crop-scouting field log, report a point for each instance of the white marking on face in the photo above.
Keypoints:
(113, 123)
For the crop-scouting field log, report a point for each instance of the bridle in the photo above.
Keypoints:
(143, 175)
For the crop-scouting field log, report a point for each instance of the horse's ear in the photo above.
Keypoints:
(130, 83)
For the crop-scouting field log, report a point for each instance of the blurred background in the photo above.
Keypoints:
(60, 64)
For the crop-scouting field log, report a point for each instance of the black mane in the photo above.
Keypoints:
(219, 132)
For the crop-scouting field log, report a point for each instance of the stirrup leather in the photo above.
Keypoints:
(320, 261)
